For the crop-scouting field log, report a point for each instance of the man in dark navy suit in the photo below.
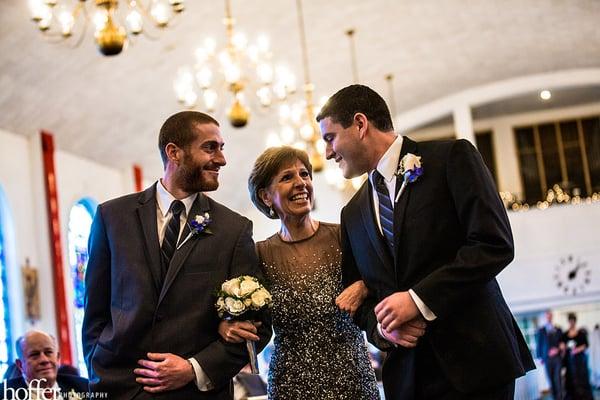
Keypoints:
(548, 339)
(428, 234)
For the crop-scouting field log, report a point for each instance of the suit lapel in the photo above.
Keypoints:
(199, 207)
(408, 146)
(368, 217)
(147, 215)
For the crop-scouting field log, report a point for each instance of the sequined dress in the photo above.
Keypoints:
(319, 352)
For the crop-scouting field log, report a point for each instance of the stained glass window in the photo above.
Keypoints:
(80, 221)
(5, 337)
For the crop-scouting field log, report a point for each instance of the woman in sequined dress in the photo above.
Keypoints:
(319, 352)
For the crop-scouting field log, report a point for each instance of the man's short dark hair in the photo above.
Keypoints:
(179, 130)
(345, 103)
(266, 166)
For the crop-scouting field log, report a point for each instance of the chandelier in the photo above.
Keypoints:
(232, 65)
(64, 19)
(298, 124)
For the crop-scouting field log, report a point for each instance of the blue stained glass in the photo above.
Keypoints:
(80, 222)
(5, 339)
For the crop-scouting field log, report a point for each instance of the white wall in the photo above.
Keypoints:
(542, 239)
(22, 181)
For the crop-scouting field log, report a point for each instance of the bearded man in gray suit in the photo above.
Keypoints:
(156, 257)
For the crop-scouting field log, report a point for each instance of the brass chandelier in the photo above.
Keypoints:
(64, 19)
(238, 68)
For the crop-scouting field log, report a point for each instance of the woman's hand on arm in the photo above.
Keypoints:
(238, 331)
(352, 297)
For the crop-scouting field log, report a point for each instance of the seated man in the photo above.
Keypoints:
(38, 360)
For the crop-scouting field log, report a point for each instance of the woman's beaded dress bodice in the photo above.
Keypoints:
(319, 352)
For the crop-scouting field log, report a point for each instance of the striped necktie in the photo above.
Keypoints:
(386, 212)
(169, 243)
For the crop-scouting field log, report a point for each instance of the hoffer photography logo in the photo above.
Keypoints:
(36, 390)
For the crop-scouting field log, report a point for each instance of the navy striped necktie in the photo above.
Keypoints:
(169, 243)
(386, 211)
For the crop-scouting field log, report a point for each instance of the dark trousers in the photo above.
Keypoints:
(553, 368)
(418, 375)
(432, 384)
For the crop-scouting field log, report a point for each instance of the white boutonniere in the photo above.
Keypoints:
(197, 225)
(410, 169)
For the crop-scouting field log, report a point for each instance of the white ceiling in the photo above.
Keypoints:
(110, 109)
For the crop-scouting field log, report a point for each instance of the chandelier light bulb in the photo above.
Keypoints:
(232, 73)
(204, 77)
(265, 73)
(210, 44)
(66, 20)
(264, 96)
(306, 131)
(287, 134)
(190, 99)
(161, 13)
(100, 19)
(239, 41)
(44, 22)
(134, 22)
(253, 55)
(39, 10)
(201, 55)
(285, 112)
(50, 3)
(545, 94)
(210, 99)
(263, 43)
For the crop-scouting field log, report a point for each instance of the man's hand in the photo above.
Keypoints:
(395, 310)
(408, 334)
(352, 297)
(164, 371)
(239, 331)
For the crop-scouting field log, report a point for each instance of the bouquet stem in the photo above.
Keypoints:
(251, 346)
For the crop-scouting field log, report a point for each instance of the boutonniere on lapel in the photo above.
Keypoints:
(197, 225)
(410, 169)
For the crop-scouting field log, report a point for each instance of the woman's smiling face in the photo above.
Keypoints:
(290, 192)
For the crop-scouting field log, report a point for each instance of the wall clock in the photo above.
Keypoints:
(572, 275)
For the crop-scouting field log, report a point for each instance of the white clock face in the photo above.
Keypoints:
(572, 275)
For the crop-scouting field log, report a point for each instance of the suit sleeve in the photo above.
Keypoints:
(488, 247)
(97, 287)
(221, 360)
(365, 315)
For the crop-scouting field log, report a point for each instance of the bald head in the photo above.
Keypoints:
(38, 357)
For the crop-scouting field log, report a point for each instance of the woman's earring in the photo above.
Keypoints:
(271, 211)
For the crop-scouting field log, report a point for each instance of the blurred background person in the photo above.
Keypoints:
(548, 340)
(575, 343)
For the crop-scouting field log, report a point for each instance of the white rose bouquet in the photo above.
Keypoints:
(242, 298)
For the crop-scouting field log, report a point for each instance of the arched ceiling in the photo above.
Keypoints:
(110, 109)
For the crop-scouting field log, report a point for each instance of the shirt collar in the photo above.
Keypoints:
(164, 199)
(388, 163)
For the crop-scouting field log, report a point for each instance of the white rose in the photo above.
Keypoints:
(411, 162)
(260, 298)
(248, 302)
(234, 307)
(232, 287)
(199, 219)
(220, 303)
(248, 286)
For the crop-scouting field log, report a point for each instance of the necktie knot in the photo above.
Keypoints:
(378, 178)
(177, 207)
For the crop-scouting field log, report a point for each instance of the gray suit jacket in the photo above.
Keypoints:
(130, 311)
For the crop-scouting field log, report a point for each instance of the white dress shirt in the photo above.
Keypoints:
(387, 167)
(163, 216)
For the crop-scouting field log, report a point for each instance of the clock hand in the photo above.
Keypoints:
(573, 272)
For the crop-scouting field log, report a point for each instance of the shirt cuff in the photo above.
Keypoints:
(202, 382)
(382, 334)
(425, 311)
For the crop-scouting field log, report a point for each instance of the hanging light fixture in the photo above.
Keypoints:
(299, 127)
(271, 83)
(64, 19)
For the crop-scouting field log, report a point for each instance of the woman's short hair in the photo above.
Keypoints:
(572, 316)
(267, 165)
